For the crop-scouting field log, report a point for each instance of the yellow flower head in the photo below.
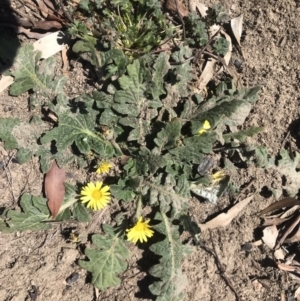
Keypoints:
(141, 231)
(218, 176)
(205, 127)
(96, 195)
(104, 167)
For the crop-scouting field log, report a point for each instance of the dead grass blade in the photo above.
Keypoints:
(224, 219)
(55, 188)
(289, 229)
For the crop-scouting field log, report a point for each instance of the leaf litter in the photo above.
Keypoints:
(155, 188)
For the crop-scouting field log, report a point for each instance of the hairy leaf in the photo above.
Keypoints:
(34, 212)
(32, 74)
(242, 135)
(287, 166)
(214, 115)
(161, 67)
(183, 71)
(172, 282)
(122, 190)
(107, 260)
(79, 129)
(168, 192)
(72, 207)
(166, 138)
(6, 135)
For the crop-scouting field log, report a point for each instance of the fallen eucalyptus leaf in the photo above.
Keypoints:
(237, 28)
(224, 219)
(283, 203)
(5, 82)
(55, 188)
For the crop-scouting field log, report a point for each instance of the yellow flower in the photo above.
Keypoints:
(205, 127)
(96, 195)
(141, 231)
(104, 167)
(218, 176)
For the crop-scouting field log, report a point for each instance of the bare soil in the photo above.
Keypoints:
(270, 45)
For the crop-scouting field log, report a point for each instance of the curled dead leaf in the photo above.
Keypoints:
(224, 219)
(55, 188)
(237, 28)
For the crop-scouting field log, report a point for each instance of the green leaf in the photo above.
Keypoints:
(242, 135)
(161, 67)
(72, 207)
(172, 282)
(35, 211)
(6, 135)
(167, 137)
(32, 74)
(79, 129)
(80, 212)
(263, 159)
(221, 46)
(122, 191)
(287, 167)
(107, 260)
(133, 87)
(215, 114)
(170, 193)
(183, 71)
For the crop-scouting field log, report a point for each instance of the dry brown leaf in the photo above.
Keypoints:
(177, 6)
(47, 25)
(293, 238)
(279, 254)
(227, 56)
(237, 28)
(5, 82)
(55, 188)
(207, 74)
(286, 202)
(195, 5)
(288, 230)
(50, 5)
(29, 33)
(49, 45)
(224, 219)
(43, 8)
(270, 235)
(297, 294)
(273, 221)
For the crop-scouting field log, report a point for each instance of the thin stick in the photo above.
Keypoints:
(98, 217)
(9, 177)
(220, 266)
(181, 19)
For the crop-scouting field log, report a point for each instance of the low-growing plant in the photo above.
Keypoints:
(150, 123)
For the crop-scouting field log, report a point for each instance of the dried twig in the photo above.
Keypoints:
(181, 19)
(220, 266)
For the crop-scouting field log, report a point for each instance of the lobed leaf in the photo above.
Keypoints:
(172, 282)
(79, 129)
(107, 260)
(35, 212)
(38, 76)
